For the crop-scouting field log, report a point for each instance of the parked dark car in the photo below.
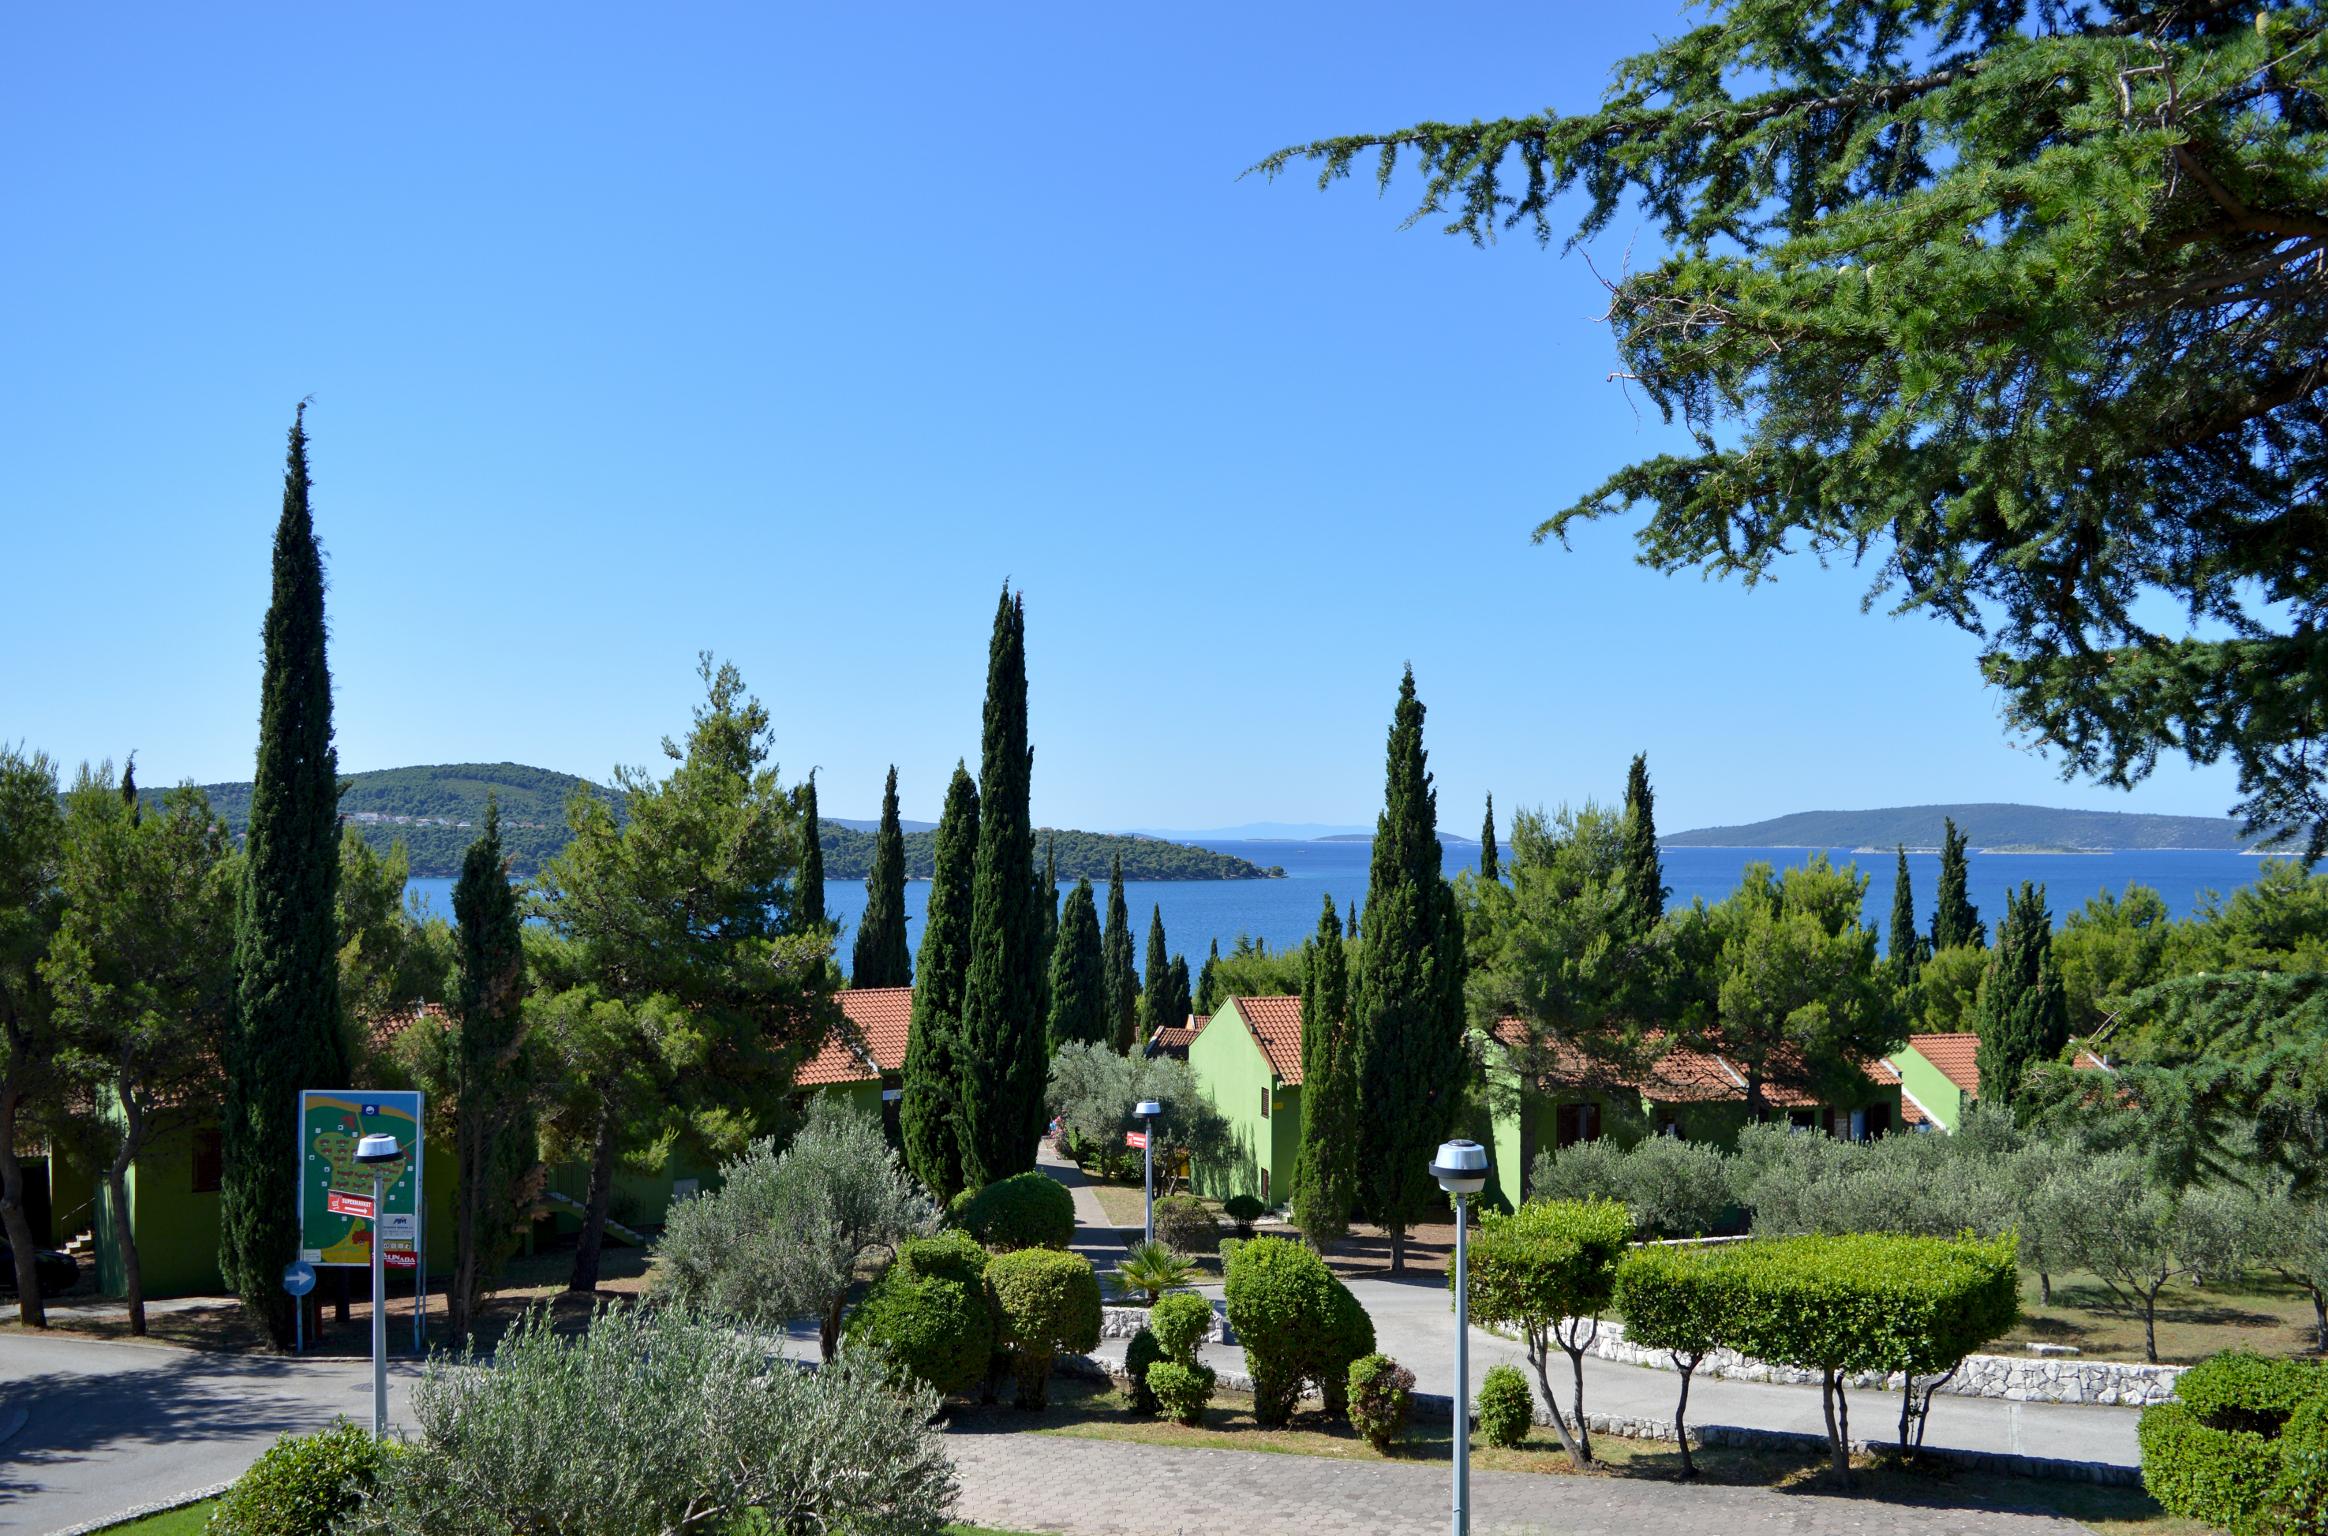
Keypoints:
(57, 1272)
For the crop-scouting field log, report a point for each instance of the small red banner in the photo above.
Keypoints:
(1136, 1140)
(398, 1258)
(340, 1204)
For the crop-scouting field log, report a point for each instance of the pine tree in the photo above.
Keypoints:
(928, 1114)
(1207, 999)
(1183, 997)
(1644, 871)
(1955, 920)
(1406, 992)
(1156, 979)
(1078, 974)
(492, 1104)
(808, 900)
(1002, 1068)
(1120, 981)
(2023, 1013)
(287, 1033)
(880, 958)
(1906, 946)
(1489, 868)
(1324, 1177)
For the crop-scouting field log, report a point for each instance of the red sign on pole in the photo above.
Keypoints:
(340, 1203)
(1136, 1140)
(398, 1258)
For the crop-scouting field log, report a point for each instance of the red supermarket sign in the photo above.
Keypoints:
(398, 1258)
(340, 1203)
(1136, 1140)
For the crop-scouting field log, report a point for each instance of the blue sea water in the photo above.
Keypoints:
(1284, 912)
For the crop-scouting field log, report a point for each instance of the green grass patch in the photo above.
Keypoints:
(185, 1520)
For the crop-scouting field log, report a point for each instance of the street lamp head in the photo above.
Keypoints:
(1460, 1167)
(1147, 1109)
(378, 1149)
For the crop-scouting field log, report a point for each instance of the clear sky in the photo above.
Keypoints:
(791, 332)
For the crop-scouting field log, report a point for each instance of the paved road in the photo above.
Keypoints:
(108, 1427)
(1110, 1488)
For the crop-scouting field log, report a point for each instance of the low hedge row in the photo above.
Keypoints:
(2242, 1446)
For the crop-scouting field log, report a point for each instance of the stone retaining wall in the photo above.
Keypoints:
(1123, 1322)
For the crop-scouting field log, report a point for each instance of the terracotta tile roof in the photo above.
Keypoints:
(1175, 1040)
(1275, 1023)
(2087, 1061)
(1956, 1055)
(870, 1041)
(1675, 1073)
(384, 1030)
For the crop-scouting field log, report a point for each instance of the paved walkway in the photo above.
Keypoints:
(1112, 1488)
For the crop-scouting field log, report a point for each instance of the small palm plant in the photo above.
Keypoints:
(1153, 1268)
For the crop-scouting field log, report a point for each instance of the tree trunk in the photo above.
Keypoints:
(584, 1280)
(1838, 1457)
(2150, 1326)
(340, 1288)
(1575, 1354)
(2320, 1320)
(1397, 1237)
(461, 1295)
(132, 1275)
(1540, 1357)
(828, 1327)
(2045, 1287)
(14, 1219)
(1681, 1413)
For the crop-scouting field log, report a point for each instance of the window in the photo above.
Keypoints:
(1575, 1123)
(1265, 1097)
(209, 1162)
(1265, 1201)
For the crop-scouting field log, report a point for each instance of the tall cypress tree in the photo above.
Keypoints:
(1183, 996)
(1206, 998)
(880, 958)
(492, 1104)
(1904, 944)
(1489, 864)
(808, 894)
(287, 1032)
(1406, 1001)
(1078, 976)
(1644, 871)
(1122, 984)
(1324, 1177)
(1955, 920)
(1156, 978)
(928, 1112)
(1002, 1067)
(2023, 1014)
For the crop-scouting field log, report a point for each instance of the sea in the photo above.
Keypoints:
(1281, 913)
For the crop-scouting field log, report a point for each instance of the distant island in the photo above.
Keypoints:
(435, 810)
(1992, 828)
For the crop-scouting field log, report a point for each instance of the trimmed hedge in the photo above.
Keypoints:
(937, 1326)
(1181, 1390)
(303, 1485)
(1507, 1406)
(2242, 1445)
(1026, 1210)
(1181, 1322)
(1382, 1395)
(1187, 1225)
(1548, 1270)
(1244, 1210)
(1049, 1306)
(1297, 1323)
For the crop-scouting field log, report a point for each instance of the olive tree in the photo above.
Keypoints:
(2111, 1215)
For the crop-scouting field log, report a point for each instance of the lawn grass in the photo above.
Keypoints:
(193, 1519)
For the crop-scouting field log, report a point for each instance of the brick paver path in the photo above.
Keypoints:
(1115, 1488)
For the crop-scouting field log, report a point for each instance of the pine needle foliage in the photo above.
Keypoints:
(929, 1109)
(880, 958)
(1488, 858)
(1121, 982)
(2017, 304)
(1156, 978)
(808, 899)
(1645, 889)
(2023, 1013)
(492, 1103)
(1078, 978)
(1325, 1177)
(1905, 946)
(1955, 920)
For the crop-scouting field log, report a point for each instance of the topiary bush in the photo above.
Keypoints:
(1507, 1406)
(303, 1485)
(1141, 1355)
(1026, 1210)
(1049, 1306)
(1186, 1224)
(1297, 1323)
(2242, 1445)
(1546, 1271)
(1181, 1390)
(1676, 1299)
(1382, 1395)
(1181, 1322)
(929, 1311)
(1243, 1210)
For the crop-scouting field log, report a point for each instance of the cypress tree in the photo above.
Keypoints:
(1047, 914)
(1206, 1000)
(1905, 944)
(1183, 997)
(808, 892)
(1078, 975)
(927, 1114)
(1002, 1068)
(1955, 920)
(494, 1145)
(1156, 978)
(1324, 1177)
(2023, 1013)
(1406, 994)
(1121, 983)
(880, 958)
(287, 1032)
(1644, 871)
(1489, 866)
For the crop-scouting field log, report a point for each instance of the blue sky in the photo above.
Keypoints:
(790, 333)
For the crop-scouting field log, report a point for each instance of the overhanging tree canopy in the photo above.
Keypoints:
(2019, 304)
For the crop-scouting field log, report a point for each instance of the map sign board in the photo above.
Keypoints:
(336, 1225)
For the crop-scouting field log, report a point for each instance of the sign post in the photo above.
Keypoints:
(360, 1198)
(298, 1280)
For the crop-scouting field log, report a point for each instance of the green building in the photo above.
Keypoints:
(1247, 1060)
(1939, 1076)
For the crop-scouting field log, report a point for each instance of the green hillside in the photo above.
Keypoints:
(1985, 826)
(435, 811)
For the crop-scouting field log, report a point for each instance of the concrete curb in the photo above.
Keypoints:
(176, 1501)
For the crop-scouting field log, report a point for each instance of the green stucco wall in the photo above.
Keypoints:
(1930, 1087)
(1232, 1072)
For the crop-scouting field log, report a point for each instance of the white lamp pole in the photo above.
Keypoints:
(1461, 1169)
(1148, 1110)
(374, 1152)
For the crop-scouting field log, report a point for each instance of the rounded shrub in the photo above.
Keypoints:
(936, 1326)
(950, 1255)
(1181, 1322)
(1181, 1390)
(1141, 1355)
(303, 1485)
(1297, 1323)
(2242, 1445)
(1507, 1407)
(1186, 1224)
(1243, 1210)
(1049, 1306)
(1382, 1394)
(2300, 1496)
(1026, 1210)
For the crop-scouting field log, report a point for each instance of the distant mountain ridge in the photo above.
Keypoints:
(1986, 826)
(436, 810)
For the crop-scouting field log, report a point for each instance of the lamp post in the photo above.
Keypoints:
(1148, 1110)
(1461, 1169)
(374, 1152)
